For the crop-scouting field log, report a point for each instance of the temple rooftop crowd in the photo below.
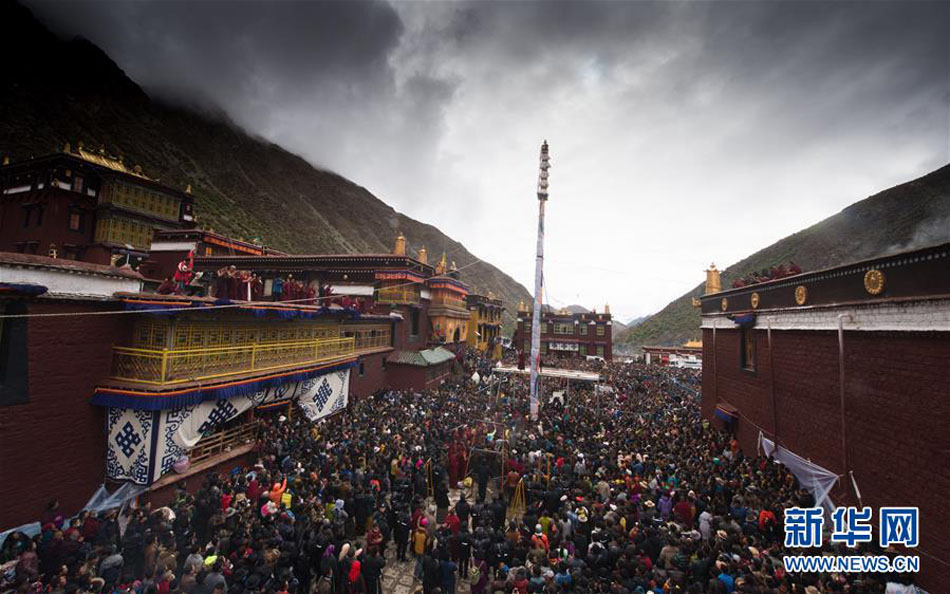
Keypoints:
(767, 274)
(626, 492)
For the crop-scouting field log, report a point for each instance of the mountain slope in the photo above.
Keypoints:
(56, 91)
(905, 217)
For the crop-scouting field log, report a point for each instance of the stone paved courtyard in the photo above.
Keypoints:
(397, 576)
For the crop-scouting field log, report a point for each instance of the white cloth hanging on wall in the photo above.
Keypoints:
(819, 481)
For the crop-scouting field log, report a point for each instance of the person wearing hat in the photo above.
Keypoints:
(539, 539)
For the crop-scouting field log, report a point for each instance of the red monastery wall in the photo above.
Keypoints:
(373, 376)
(54, 445)
(897, 399)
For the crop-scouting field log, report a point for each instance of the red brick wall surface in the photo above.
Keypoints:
(54, 445)
(897, 402)
(373, 378)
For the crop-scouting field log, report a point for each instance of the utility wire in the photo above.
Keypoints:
(207, 308)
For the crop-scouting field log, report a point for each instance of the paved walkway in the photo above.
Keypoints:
(397, 576)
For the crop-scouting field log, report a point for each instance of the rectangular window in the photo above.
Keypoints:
(544, 327)
(209, 251)
(75, 220)
(747, 354)
(14, 369)
(600, 350)
(582, 329)
(77, 184)
(600, 329)
(561, 328)
(362, 369)
(583, 350)
(27, 210)
(544, 348)
(414, 326)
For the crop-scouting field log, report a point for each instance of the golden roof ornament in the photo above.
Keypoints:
(400, 248)
(713, 280)
(188, 189)
(443, 266)
(423, 255)
(606, 308)
(522, 307)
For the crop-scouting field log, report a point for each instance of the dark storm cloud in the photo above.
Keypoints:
(222, 46)
(665, 118)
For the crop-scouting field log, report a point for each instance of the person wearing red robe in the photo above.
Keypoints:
(184, 273)
(222, 284)
(246, 288)
(453, 464)
(257, 288)
(235, 284)
(167, 287)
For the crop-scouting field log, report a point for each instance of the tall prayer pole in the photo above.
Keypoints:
(538, 279)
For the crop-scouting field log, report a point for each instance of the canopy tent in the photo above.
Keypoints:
(571, 374)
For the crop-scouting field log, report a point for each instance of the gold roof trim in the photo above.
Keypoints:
(104, 160)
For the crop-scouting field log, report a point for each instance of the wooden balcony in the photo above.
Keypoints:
(404, 295)
(367, 343)
(222, 442)
(174, 366)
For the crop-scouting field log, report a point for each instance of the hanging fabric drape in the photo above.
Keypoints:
(819, 481)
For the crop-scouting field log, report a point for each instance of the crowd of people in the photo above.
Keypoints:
(232, 284)
(767, 274)
(621, 491)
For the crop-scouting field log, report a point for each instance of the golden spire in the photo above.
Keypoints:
(400, 248)
(713, 281)
(522, 308)
(6, 159)
(188, 189)
(607, 308)
(423, 255)
(454, 267)
(443, 266)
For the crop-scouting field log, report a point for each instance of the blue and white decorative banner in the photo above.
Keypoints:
(144, 445)
(130, 446)
(322, 396)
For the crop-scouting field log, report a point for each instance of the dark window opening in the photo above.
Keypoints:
(747, 354)
(39, 216)
(362, 369)
(14, 371)
(27, 211)
(75, 220)
(414, 326)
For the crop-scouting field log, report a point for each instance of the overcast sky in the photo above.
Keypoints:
(681, 133)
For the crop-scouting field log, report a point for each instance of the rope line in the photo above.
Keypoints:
(242, 304)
